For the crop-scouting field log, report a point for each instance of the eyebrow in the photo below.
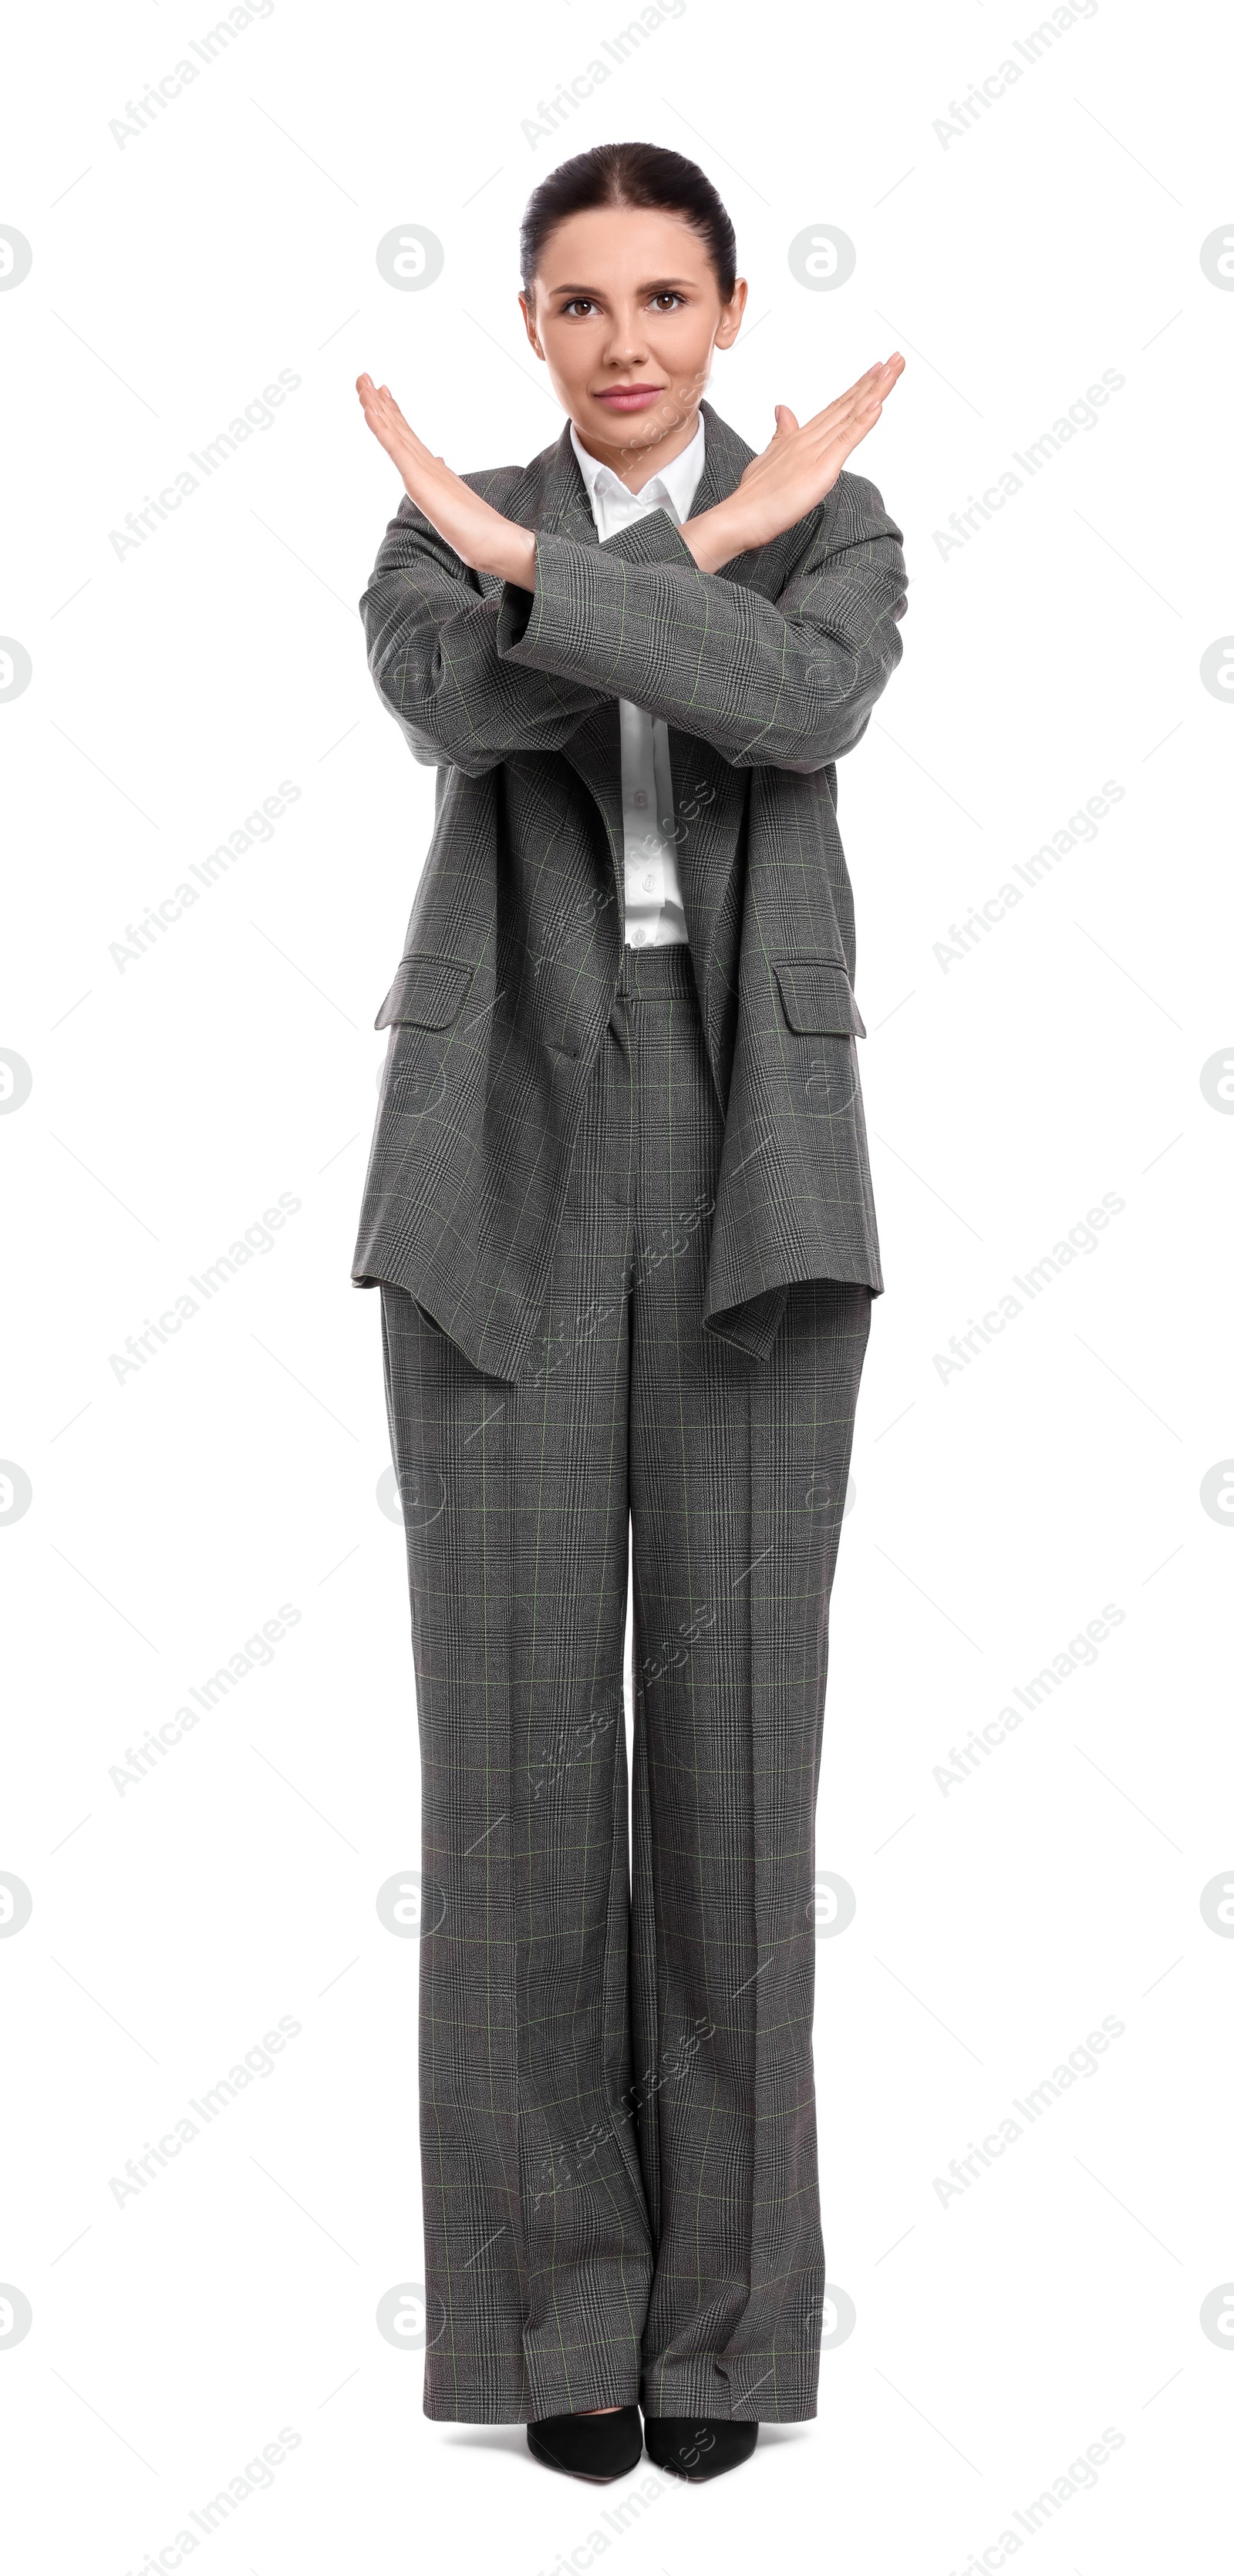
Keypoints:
(650, 286)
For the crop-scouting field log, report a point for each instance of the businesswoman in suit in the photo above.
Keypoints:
(619, 1211)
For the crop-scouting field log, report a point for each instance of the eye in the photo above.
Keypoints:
(668, 295)
(576, 301)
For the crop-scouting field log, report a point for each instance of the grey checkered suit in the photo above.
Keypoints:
(619, 1210)
(764, 675)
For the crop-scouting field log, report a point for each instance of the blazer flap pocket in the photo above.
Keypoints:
(426, 990)
(818, 997)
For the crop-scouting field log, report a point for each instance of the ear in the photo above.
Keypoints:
(530, 324)
(733, 311)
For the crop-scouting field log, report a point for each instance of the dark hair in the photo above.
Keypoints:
(630, 174)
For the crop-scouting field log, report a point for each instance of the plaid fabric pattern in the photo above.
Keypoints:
(618, 2138)
(765, 675)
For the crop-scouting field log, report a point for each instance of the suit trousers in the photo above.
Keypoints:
(618, 2130)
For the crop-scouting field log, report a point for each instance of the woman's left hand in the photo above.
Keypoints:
(479, 535)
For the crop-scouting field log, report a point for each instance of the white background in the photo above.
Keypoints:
(997, 1511)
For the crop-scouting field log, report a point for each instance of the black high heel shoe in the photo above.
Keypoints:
(698, 2446)
(597, 2447)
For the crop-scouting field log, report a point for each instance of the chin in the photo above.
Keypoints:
(637, 427)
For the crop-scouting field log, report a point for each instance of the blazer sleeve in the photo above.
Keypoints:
(779, 684)
(431, 633)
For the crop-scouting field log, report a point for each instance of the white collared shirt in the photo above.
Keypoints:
(654, 913)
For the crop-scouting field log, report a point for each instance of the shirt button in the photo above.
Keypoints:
(637, 937)
(648, 883)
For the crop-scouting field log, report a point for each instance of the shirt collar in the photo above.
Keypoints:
(676, 482)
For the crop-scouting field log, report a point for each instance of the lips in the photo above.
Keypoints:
(630, 397)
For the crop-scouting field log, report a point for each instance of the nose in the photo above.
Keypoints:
(626, 345)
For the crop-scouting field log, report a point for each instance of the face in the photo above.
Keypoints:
(626, 313)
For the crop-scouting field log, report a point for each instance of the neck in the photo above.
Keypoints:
(635, 466)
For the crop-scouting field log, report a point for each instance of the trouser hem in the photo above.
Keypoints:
(706, 2391)
(522, 2409)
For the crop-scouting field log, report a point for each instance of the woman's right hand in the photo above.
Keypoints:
(793, 474)
(479, 535)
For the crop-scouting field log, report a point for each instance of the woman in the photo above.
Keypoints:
(619, 1209)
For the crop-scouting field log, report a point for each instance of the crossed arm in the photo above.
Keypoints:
(432, 650)
(787, 684)
(778, 684)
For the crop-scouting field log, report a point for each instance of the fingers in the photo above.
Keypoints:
(843, 403)
(388, 426)
(857, 427)
(849, 417)
(375, 400)
(879, 378)
(786, 427)
(871, 383)
(377, 397)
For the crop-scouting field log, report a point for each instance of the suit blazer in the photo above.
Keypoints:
(764, 674)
